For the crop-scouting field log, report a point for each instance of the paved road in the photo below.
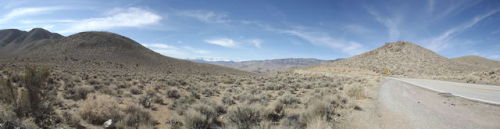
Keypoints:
(409, 104)
(484, 93)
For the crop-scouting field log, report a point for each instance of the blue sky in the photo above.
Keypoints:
(269, 29)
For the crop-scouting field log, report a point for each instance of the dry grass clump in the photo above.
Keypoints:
(173, 93)
(79, 93)
(202, 116)
(275, 112)
(357, 92)
(318, 110)
(244, 117)
(289, 100)
(72, 119)
(136, 117)
(98, 108)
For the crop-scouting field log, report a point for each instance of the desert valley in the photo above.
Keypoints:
(105, 80)
(249, 64)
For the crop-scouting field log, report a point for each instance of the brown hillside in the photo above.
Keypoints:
(478, 61)
(404, 58)
(106, 51)
(13, 36)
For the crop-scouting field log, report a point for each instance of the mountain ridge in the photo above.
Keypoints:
(104, 51)
(269, 65)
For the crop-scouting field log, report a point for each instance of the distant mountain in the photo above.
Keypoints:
(15, 38)
(100, 50)
(261, 66)
(405, 58)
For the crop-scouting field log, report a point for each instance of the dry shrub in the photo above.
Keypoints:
(357, 92)
(227, 100)
(71, 119)
(318, 109)
(275, 112)
(319, 123)
(173, 93)
(79, 93)
(289, 100)
(196, 120)
(8, 118)
(136, 117)
(244, 116)
(98, 108)
(8, 92)
(182, 103)
(37, 99)
(202, 116)
(135, 90)
(34, 99)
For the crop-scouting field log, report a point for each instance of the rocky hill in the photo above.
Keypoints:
(406, 59)
(477, 61)
(262, 66)
(99, 50)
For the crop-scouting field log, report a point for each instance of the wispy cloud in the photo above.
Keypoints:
(183, 52)
(225, 42)
(196, 50)
(205, 16)
(48, 21)
(495, 57)
(391, 23)
(440, 9)
(431, 5)
(323, 39)
(20, 12)
(130, 17)
(255, 42)
(358, 29)
(441, 42)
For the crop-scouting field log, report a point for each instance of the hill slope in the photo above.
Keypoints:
(12, 36)
(404, 58)
(261, 66)
(105, 51)
(477, 61)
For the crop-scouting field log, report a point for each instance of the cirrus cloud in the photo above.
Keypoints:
(130, 17)
(224, 42)
(20, 12)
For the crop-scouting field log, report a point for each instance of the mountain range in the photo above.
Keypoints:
(263, 66)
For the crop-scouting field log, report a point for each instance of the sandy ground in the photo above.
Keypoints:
(399, 105)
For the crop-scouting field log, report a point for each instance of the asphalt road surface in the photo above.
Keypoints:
(429, 104)
(483, 93)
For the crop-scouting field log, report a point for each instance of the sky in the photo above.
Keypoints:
(241, 30)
